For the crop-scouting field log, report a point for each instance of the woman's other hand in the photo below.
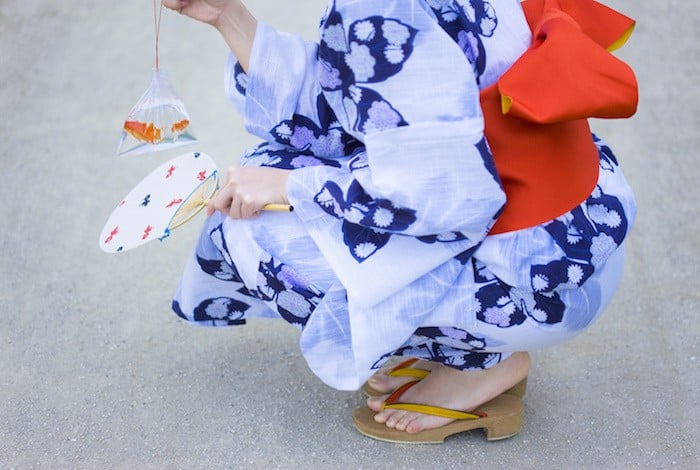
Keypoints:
(247, 190)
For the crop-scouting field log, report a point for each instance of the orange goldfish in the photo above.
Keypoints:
(142, 131)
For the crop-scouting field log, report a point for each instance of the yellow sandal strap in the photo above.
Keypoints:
(392, 403)
(404, 369)
(409, 372)
(434, 411)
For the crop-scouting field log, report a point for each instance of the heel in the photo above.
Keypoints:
(519, 389)
(504, 427)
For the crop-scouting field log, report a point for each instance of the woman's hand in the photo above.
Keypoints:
(247, 189)
(230, 17)
(206, 11)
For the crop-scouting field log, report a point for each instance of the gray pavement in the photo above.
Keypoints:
(95, 372)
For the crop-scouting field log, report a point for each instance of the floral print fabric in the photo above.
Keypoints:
(395, 190)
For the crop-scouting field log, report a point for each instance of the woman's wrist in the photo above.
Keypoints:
(282, 176)
(237, 26)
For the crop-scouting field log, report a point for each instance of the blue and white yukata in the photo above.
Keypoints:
(394, 189)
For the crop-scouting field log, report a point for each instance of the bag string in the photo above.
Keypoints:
(156, 17)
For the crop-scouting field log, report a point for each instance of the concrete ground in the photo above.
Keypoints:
(95, 371)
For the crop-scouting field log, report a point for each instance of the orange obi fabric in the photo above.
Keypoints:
(536, 114)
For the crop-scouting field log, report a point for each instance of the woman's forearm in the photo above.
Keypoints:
(237, 26)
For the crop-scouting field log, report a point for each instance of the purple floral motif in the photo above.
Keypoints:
(328, 77)
(505, 306)
(302, 137)
(222, 267)
(220, 311)
(275, 156)
(294, 296)
(466, 23)
(469, 43)
(602, 247)
(453, 347)
(374, 49)
(608, 162)
(382, 116)
(305, 161)
(325, 139)
(587, 236)
(240, 79)
(368, 223)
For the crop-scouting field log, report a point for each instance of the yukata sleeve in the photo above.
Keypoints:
(403, 87)
(280, 83)
(424, 183)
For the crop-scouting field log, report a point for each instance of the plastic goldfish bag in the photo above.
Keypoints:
(159, 120)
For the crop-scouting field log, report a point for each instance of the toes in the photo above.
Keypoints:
(414, 426)
(379, 383)
(384, 416)
(375, 403)
(407, 421)
(396, 419)
(403, 422)
(390, 418)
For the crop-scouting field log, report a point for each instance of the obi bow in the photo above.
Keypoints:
(535, 116)
(568, 72)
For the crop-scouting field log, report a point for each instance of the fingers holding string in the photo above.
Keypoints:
(175, 5)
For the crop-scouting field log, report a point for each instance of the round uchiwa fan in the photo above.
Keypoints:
(167, 198)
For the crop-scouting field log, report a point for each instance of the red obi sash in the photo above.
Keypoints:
(536, 114)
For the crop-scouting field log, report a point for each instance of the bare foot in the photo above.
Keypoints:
(384, 383)
(450, 388)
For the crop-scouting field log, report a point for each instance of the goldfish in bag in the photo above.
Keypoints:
(158, 121)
